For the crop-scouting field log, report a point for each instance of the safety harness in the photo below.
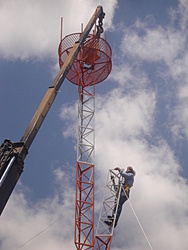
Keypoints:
(127, 188)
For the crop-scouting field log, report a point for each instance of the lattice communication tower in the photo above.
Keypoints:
(92, 66)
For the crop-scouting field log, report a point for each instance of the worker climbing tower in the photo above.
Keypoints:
(91, 66)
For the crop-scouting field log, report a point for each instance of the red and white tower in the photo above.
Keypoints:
(92, 65)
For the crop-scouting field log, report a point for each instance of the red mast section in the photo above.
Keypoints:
(92, 65)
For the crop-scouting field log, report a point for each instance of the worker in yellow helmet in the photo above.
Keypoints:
(128, 180)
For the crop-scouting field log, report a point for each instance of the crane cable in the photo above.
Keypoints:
(142, 229)
(46, 228)
(42, 231)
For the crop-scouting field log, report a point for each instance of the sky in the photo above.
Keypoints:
(140, 120)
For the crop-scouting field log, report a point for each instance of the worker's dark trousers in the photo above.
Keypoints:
(122, 200)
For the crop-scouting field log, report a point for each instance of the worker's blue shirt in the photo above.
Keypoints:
(128, 177)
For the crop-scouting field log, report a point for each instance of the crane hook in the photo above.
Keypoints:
(100, 29)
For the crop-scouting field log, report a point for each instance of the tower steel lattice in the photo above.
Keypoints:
(92, 65)
(104, 233)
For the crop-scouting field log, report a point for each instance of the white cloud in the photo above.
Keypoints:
(152, 44)
(164, 47)
(31, 29)
(180, 126)
(126, 114)
(129, 76)
(40, 225)
(69, 115)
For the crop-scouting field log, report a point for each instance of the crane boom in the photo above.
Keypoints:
(12, 154)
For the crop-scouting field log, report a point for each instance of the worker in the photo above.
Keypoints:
(128, 180)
